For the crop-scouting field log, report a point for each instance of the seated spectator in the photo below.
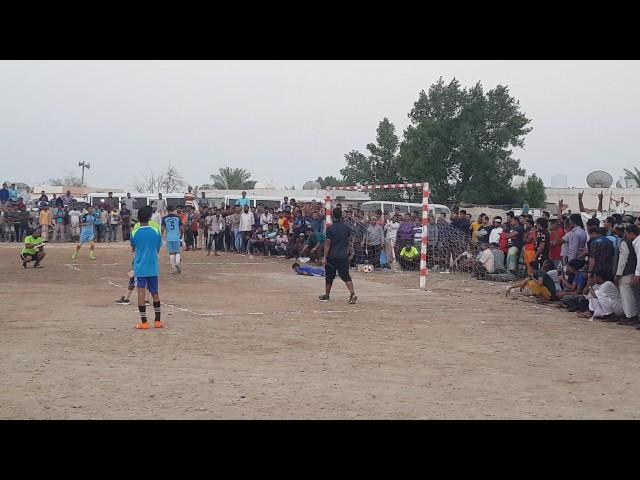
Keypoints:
(574, 281)
(256, 242)
(282, 242)
(540, 284)
(498, 258)
(604, 298)
(409, 257)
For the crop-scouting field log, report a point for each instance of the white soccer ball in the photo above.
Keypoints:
(367, 268)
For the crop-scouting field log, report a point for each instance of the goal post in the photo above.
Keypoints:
(423, 186)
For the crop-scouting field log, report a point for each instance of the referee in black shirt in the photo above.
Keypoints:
(336, 256)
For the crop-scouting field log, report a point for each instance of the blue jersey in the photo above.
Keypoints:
(88, 221)
(172, 226)
(310, 271)
(146, 243)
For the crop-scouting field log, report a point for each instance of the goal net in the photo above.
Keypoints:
(399, 230)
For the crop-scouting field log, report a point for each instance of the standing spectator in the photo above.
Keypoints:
(284, 203)
(528, 244)
(600, 253)
(44, 220)
(373, 242)
(514, 245)
(485, 230)
(627, 263)
(556, 232)
(267, 217)
(66, 225)
(462, 222)
(246, 223)
(542, 240)
(244, 201)
(474, 227)
(235, 228)
(13, 193)
(99, 226)
(577, 239)
(129, 203)
(74, 216)
(160, 204)
(156, 216)
(43, 200)
(229, 238)
(202, 201)
(58, 225)
(391, 234)
(26, 197)
(4, 194)
(110, 203)
(125, 220)
(214, 226)
(114, 221)
(67, 199)
(57, 201)
(494, 235)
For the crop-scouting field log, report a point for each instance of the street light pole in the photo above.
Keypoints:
(83, 165)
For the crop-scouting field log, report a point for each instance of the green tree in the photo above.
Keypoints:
(229, 178)
(531, 192)
(633, 176)
(460, 140)
(380, 166)
(329, 181)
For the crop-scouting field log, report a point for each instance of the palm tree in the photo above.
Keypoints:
(633, 176)
(232, 179)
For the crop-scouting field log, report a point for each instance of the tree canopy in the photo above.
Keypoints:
(460, 140)
(229, 178)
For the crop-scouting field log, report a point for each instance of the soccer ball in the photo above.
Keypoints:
(367, 268)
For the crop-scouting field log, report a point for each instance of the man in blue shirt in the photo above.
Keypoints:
(172, 226)
(244, 201)
(146, 242)
(4, 194)
(13, 193)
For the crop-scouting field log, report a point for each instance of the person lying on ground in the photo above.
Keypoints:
(307, 270)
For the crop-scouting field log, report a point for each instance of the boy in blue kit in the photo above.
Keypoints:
(307, 270)
(146, 242)
(172, 226)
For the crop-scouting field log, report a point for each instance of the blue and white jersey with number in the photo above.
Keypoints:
(172, 226)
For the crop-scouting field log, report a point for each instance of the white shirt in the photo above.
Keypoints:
(215, 224)
(26, 198)
(636, 247)
(265, 220)
(157, 217)
(494, 236)
(620, 208)
(246, 221)
(160, 204)
(392, 230)
(128, 202)
(75, 215)
(487, 259)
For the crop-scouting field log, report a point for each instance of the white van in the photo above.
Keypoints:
(389, 207)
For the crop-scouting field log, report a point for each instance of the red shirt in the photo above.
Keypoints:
(554, 251)
(503, 243)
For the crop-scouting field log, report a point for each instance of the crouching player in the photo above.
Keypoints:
(146, 242)
(33, 250)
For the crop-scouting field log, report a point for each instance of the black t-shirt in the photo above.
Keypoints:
(547, 281)
(517, 240)
(462, 224)
(339, 234)
(483, 234)
(542, 236)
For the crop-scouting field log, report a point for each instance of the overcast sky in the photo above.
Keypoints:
(290, 121)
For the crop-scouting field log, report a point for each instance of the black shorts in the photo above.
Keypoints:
(339, 266)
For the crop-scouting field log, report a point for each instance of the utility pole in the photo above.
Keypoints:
(83, 165)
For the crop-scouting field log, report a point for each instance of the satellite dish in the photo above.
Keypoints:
(599, 179)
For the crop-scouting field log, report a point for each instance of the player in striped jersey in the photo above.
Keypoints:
(172, 227)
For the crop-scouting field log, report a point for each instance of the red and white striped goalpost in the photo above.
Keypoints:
(394, 186)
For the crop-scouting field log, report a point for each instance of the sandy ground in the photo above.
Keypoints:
(246, 338)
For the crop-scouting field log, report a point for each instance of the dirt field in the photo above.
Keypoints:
(246, 338)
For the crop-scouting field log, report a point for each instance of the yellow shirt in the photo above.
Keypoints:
(475, 226)
(45, 217)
